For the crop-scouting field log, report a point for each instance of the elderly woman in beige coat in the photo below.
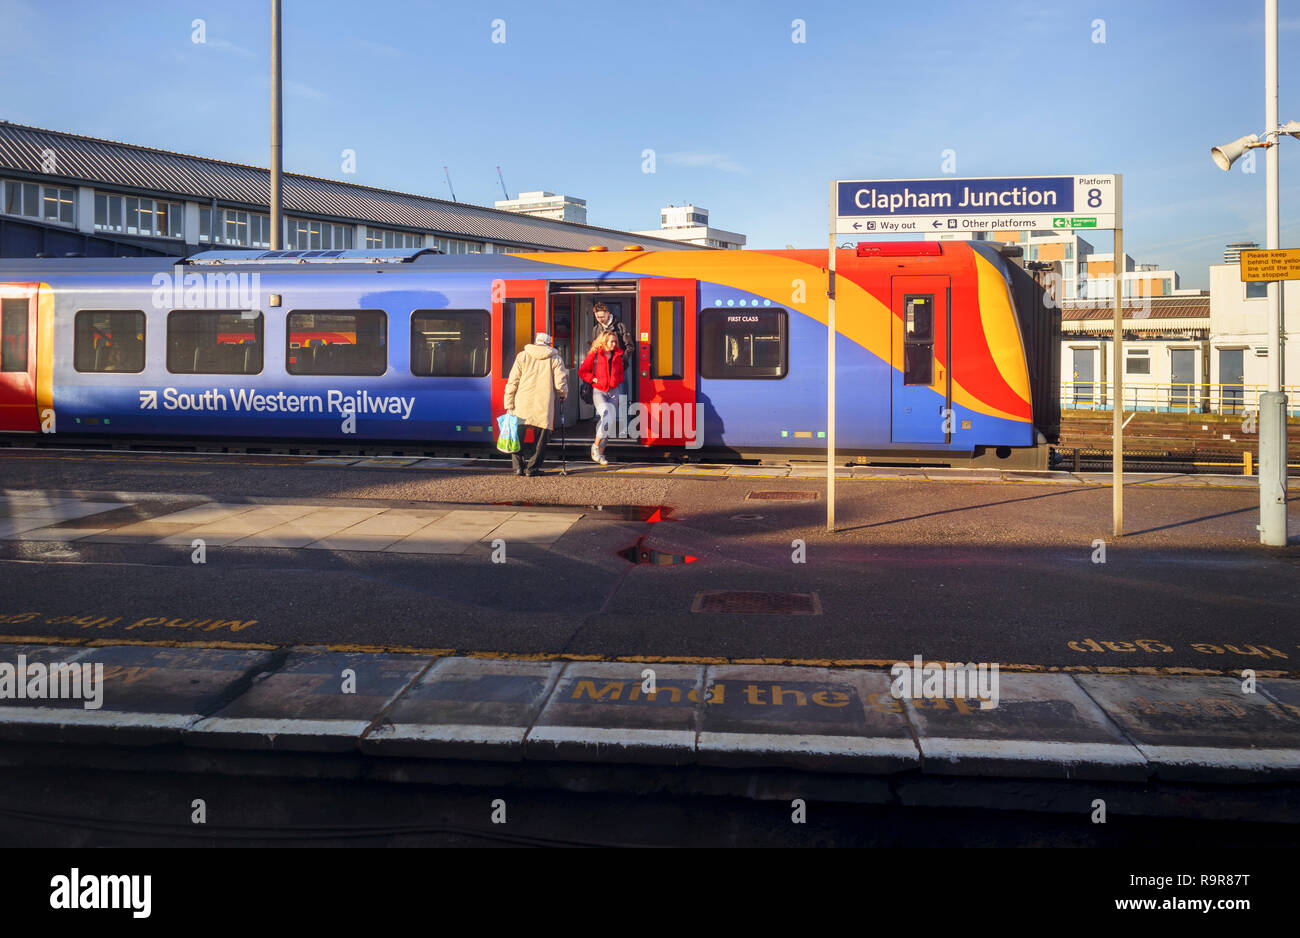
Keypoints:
(537, 378)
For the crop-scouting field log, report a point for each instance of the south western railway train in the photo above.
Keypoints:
(946, 352)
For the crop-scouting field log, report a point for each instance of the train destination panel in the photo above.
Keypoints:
(950, 204)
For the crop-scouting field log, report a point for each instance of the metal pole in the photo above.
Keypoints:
(277, 130)
(1117, 395)
(830, 368)
(1272, 406)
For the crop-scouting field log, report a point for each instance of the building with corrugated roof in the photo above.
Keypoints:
(1166, 353)
(66, 193)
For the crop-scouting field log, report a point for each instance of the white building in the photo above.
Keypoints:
(1232, 253)
(1140, 280)
(1166, 354)
(1239, 338)
(689, 224)
(546, 205)
(1189, 353)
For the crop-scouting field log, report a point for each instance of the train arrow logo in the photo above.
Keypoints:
(148, 400)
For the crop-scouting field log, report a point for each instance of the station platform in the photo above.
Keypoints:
(1054, 742)
(453, 624)
(701, 564)
(39, 517)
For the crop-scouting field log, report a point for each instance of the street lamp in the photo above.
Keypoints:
(1272, 405)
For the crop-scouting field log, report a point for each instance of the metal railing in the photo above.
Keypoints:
(1168, 397)
(1095, 459)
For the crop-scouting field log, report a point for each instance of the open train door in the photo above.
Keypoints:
(18, 358)
(922, 386)
(518, 314)
(666, 362)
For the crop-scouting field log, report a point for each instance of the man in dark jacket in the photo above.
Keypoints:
(608, 322)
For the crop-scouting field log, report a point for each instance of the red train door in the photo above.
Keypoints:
(666, 366)
(518, 313)
(922, 390)
(18, 358)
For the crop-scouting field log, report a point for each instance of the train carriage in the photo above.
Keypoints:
(946, 352)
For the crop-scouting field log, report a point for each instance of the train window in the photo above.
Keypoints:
(13, 335)
(666, 325)
(337, 342)
(517, 327)
(449, 343)
(214, 342)
(743, 343)
(918, 339)
(109, 340)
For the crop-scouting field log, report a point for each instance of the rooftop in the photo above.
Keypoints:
(1156, 307)
(94, 161)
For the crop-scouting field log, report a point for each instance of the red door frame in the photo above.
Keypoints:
(18, 411)
(667, 391)
(503, 291)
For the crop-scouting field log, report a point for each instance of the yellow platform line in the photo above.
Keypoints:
(871, 663)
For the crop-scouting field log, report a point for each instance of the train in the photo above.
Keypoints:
(947, 352)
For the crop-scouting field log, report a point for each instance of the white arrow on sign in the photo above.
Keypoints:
(148, 400)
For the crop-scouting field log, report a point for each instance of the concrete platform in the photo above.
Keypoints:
(290, 526)
(599, 711)
(809, 718)
(466, 708)
(1203, 728)
(151, 695)
(824, 722)
(317, 701)
(1044, 725)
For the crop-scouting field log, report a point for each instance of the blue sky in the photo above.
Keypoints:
(742, 120)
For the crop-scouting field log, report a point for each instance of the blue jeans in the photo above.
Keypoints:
(606, 403)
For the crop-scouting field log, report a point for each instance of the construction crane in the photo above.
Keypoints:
(447, 173)
(503, 183)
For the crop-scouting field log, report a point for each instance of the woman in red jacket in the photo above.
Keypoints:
(603, 370)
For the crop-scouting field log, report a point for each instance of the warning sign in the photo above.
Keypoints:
(1281, 264)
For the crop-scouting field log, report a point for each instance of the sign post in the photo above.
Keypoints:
(1117, 403)
(1273, 266)
(830, 371)
(918, 207)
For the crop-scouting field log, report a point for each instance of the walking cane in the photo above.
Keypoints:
(564, 466)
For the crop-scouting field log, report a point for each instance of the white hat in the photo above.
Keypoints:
(542, 339)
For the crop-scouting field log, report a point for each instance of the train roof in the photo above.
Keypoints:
(426, 262)
(547, 265)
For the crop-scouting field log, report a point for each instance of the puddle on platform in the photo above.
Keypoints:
(650, 514)
(639, 553)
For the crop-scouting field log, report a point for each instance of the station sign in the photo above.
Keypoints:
(987, 203)
(1278, 264)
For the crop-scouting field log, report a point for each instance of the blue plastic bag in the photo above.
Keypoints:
(508, 426)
